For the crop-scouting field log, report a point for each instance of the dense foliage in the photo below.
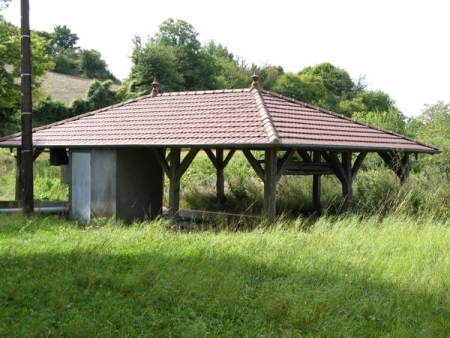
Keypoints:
(10, 91)
(71, 59)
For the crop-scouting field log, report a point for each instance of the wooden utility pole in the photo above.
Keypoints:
(27, 142)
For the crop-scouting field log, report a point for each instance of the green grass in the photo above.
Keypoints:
(336, 277)
(47, 182)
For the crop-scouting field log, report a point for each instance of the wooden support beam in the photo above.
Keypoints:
(227, 159)
(305, 156)
(270, 184)
(284, 162)
(174, 182)
(347, 183)
(357, 165)
(174, 168)
(220, 179)
(398, 162)
(160, 154)
(220, 163)
(317, 185)
(211, 157)
(187, 161)
(334, 161)
(405, 168)
(254, 163)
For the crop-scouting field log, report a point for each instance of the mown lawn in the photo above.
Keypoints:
(347, 277)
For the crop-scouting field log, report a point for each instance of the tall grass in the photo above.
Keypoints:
(377, 191)
(337, 277)
(47, 182)
(7, 175)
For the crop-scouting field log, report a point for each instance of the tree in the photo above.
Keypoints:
(93, 66)
(101, 95)
(71, 59)
(434, 128)
(230, 71)
(336, 80)
(195, 65)
(49, 111)
(307, 88)
(64, 39)
(10, 99)
(153, 61)
(269, 75)
(391, 119)
(368, 101)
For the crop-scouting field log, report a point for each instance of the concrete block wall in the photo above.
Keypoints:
(123, 183)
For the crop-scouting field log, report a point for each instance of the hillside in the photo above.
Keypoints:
(64, 88)
(67, 88)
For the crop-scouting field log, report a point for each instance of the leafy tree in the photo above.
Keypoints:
(101, 95)
(71, 59)
(79, 106)
(94, 67)
(307, 88)
(434, 128)
(173, 54)
(49, 111)
(61, 45)
(231, 72)
(10, 99)
(182, 37)
(269, 75)
(66, 62)
(194, 63)
(391, 119)
(64, 39)
(366, 101)
(336, 80)
(150, 61)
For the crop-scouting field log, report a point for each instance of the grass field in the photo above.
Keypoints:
(336, 277)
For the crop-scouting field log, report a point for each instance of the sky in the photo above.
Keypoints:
(400, 47)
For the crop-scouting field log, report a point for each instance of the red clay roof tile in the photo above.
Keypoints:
(225, 118)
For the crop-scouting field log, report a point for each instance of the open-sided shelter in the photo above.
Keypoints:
(117, 156)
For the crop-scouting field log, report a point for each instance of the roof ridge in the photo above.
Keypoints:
(329, 112)
(201, 92)
(266, 119)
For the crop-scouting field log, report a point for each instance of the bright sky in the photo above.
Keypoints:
(401, 47)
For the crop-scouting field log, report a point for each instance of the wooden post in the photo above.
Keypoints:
(27, 193)
(347, 183)
(317, 184)
(405, 167)
(220, 181)
(270, 184)
(174, 182)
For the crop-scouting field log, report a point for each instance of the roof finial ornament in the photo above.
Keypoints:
(155, 86)
(255, 83)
